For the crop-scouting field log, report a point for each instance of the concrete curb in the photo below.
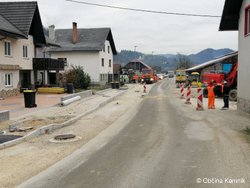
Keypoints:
(48, 128)
(4, 115)
(83, 94)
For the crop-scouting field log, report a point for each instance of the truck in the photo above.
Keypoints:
(148, 76)
(218, 78)
(170, 74)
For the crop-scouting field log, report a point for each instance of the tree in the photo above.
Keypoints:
(183, 62)
(157, 69)
(78, 77)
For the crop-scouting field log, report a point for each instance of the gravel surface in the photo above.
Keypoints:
(23, 161)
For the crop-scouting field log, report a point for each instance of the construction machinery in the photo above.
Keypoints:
(218, 78)
(195, 80)
(148, 76)
(136, 77)
(180, 77)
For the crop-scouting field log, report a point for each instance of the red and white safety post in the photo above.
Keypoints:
(188, 96)
(182, 91)
(200, 100)
(144, 88)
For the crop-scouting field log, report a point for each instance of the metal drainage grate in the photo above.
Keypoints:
(64, 137)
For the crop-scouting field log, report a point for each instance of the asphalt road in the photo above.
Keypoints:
(165, 145)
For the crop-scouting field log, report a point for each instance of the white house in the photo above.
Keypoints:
(21, 32)
(236, 16)
(93, 49)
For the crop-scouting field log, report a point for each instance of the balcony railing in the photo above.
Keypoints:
(47, 64)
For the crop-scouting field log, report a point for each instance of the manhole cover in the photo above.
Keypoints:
(65, 137)
(6, 138)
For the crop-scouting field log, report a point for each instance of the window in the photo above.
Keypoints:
(110, 63)
(8, 79)
(25, 51)
(7, 48)
(102, 77)
(247, 20)
(102, 62)
(103, 48)
(108, 49)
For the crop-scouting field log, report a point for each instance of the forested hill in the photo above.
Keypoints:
(208, 54)
(168, 61)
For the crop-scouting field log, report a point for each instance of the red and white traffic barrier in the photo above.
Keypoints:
(200, 100)
(182, 91)
(188, 96)
(144, 88)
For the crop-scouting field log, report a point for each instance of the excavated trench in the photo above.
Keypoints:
(6, 138)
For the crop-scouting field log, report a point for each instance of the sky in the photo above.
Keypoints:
(146, 32)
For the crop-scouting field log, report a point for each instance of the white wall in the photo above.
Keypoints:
(107, 56)
(40, 53)
(89, 61)
(16, 57)
(244, 57)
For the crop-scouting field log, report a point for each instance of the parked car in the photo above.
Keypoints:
(160, 76)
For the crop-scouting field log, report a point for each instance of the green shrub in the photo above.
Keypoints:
(78, 77)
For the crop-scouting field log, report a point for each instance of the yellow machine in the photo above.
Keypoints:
(194, 79)
(180, 77)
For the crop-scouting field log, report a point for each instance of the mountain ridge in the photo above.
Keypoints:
(168, 61)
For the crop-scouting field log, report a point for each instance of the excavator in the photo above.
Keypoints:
(218, 78)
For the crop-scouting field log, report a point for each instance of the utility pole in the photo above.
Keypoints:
(135, 48)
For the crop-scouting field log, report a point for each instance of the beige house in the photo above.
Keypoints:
(23, 61)
(93, 49)
(21, 32)
(236, 17)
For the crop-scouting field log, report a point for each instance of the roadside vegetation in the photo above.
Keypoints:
(78, 78)
(183, 62)
(247, 134)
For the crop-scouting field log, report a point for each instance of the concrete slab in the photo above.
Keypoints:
(16, 107)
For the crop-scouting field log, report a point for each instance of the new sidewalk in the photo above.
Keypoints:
(61, 116)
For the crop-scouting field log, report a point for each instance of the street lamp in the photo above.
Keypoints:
(135, 48)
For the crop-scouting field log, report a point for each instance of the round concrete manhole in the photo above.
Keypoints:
(65, 138)
(2, 132)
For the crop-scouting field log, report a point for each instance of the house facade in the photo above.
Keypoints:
(22, 44)
(21, 32)
(93, 49)
(16, 63)
(236, 16)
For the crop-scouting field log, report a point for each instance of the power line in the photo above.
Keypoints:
(144, 10)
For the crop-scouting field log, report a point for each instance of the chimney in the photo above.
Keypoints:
(52, 32)
(74, 33)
